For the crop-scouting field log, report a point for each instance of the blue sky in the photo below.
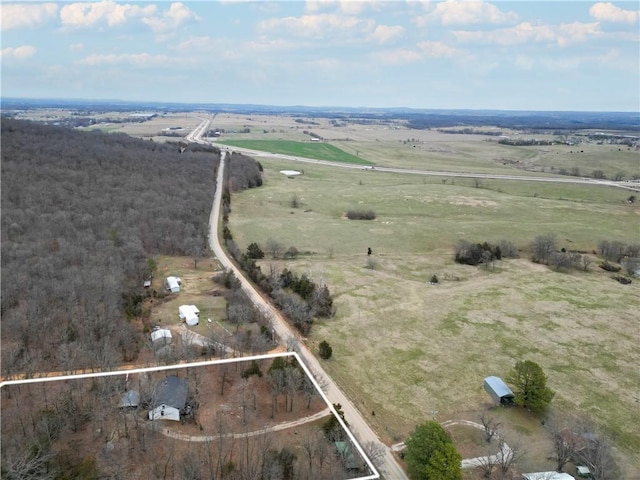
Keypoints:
(453, 54)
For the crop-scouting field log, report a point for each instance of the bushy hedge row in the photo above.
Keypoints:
(361, 215)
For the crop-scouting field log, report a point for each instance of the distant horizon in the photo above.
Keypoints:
(298, 106)
(506, 55)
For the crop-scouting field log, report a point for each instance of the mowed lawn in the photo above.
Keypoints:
(402, 348)
(315, 150)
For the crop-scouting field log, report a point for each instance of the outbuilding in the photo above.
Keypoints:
(169, 399)
(173, 284)
(348, 459)
(547, 476)
(189, 314)
(498, 390)
(130, 399)
(161, 337)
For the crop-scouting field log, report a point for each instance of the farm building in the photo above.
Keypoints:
(173, 284)
(161, 336)
(169, 399)
(343, 451)
(189, 314)
(583, 471)
(130, 399)
(547, 476)
(498, 390)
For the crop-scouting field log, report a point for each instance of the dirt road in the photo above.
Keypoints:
(391, 469)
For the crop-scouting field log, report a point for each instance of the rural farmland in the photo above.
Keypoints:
(404, 348)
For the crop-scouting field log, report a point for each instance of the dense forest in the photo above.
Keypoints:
(82, 212)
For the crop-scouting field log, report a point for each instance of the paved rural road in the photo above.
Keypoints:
(196, 135)
(628, 185)
(389, 466)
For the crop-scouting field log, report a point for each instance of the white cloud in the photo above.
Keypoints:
(135, 59)
(18, 15)
(20, 53)
(91, 14)
(607, 12)
(386, 33)
(112, 14)
(437, 49)
(423, 50)
(202, 43)
(397, 56)
(320, 26)
(350, 7)
(76, 46)
(526, 32)
(465, 12)
(177, 14)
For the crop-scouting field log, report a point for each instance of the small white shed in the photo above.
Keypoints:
(161, 336)
(548, 476)
(173, 284)
(189, 314)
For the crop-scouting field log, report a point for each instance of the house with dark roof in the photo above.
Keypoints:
(169, 399)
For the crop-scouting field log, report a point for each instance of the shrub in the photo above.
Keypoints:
(608, 267)
(254, 251)
(361, 215)
(469, 253)
(622, 279)
(325, 350)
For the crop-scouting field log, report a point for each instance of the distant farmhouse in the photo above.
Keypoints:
(498, 391)
(170, 399)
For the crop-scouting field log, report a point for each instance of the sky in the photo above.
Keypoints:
(452, 54)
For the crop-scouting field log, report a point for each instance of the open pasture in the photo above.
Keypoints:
(391, 143)
(403, 348)
(316, 150)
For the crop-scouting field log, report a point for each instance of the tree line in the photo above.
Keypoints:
(545, 249)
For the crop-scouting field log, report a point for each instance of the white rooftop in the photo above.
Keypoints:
(548, 476)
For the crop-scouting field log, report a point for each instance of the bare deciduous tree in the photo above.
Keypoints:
(542, 247)
(274, 248)
(490, 427)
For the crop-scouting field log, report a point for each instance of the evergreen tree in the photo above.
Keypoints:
(431, 455)
(530, 384)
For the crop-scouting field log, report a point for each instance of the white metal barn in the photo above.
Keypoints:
(173, 284)
(189, 314)
(499, 391)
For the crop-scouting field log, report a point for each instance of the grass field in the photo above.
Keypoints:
(317, 150)
(403, 348)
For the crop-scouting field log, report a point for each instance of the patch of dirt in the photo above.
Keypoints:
(473, 202)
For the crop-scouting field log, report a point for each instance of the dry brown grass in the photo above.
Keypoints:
(402, 348)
